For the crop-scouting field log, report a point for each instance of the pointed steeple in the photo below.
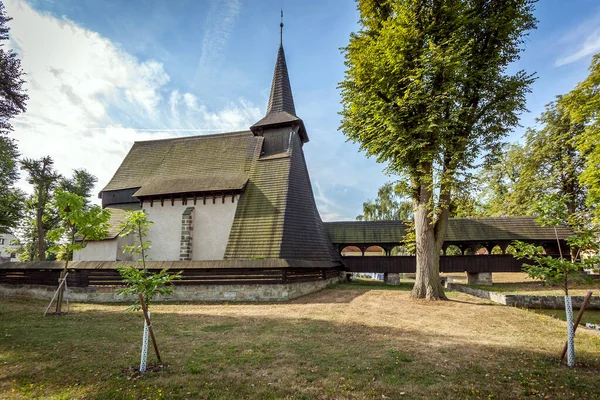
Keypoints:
(280, 110)
(281, 98)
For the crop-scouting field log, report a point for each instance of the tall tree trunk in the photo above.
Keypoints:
(427, 281)
(41, 244)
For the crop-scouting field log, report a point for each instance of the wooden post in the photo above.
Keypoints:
(61, 290)
(145, 311)
(586, 301)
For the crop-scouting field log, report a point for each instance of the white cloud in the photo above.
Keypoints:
(90, 100)
(583, 41)
(329, 210)
(219, 22)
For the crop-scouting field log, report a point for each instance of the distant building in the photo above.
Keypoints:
(6, 251)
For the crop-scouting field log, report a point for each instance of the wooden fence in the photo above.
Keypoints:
(407, 264)
(221, 276)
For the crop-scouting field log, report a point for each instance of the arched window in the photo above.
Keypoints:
(453, 250)
(374, 251)
(351, 251)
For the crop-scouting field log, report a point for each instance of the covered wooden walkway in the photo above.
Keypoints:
(473, 238)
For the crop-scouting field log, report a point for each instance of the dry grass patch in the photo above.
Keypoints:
(354, 341)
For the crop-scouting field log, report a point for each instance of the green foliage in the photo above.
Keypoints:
(553, 211)
(44, 178)
(81, 183)
(583, 106)
(11, 198)
(426, 82)
(148, 284)
(41, 215)
(505, 182)
(142, 281)
(78, 224)
(549, 163)
(427, 90)
(548, 269)
(390, 204)
(12, 103)
(13, 99)
(553, 163)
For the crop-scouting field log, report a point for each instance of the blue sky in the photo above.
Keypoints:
(102, 74)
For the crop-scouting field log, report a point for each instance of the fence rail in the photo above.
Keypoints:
(111, 277)
(407, 264)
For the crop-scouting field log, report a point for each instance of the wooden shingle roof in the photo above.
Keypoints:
(277, 216)
(205, 182)
(187, 163)
(459, 230)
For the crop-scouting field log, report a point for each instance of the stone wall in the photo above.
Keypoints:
(106, 294)
(526, 301)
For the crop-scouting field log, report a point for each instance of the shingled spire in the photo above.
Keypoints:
(280, 110)
(281, 98)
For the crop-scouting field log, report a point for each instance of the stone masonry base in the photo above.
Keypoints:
(525, 301)
(108, 294)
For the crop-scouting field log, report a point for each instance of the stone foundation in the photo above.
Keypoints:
(392, 278)
(526, 301)
(108, 294)
(479, 278)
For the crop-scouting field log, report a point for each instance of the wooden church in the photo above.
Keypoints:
(231, 196)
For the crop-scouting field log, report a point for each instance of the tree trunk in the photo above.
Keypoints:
(40, 228)
(427, 281)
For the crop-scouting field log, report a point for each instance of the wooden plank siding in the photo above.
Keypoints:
(111, 277)
(407, 264)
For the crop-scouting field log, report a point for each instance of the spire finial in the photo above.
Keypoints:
(281, 29)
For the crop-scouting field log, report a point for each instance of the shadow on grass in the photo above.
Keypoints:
(266, 357)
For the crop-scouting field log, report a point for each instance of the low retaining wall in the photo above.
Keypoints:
(525, 301)
(108, 294)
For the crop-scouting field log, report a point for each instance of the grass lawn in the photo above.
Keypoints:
(353, 341)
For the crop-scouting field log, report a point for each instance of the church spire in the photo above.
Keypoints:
(281, 30)
(280, 110)
(281, 98)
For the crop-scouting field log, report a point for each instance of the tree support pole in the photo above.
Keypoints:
(145, 311)
(586, 301)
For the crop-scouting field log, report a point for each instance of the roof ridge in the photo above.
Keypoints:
(209, 136)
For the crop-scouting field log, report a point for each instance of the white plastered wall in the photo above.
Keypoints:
(101, 250)
(212, 225)
(105, 250)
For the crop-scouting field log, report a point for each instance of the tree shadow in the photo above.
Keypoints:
(275, 351)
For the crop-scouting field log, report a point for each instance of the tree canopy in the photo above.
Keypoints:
(583, 106)
(12, 102)
(427, 91)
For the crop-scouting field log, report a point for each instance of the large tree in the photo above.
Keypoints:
(427, 90)
(505, 182)
(12, 103)
(583, 106)
(11, 198)
(549, 163)
(44, 178)
(81, 183)
(554, 162)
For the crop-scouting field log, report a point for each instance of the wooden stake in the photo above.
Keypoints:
(586, 301)
(145, 311)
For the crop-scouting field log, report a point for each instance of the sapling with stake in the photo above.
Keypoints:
(142, 283)
(567, 267)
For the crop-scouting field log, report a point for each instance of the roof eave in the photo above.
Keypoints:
(261, 126)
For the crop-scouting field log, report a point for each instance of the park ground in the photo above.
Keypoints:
(351, 341)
